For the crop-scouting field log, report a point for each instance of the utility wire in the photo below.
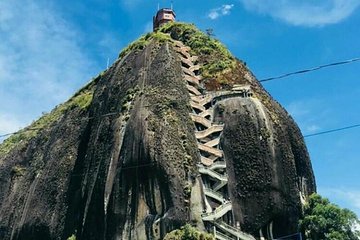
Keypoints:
(310, 69)
(331, 131)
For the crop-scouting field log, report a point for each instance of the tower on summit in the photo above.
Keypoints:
(163, 16)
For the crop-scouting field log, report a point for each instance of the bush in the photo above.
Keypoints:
(188, 232)
(72, 237)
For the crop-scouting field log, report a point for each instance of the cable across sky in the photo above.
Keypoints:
(331, 131)
(310, 69)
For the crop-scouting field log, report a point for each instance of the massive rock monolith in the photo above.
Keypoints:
(120, 159)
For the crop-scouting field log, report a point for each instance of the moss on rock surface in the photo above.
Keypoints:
(81, 101)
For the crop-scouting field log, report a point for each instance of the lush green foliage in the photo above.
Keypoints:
(216, 56)
(188, 232)
(326, 221)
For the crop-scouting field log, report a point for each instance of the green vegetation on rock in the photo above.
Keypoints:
(18, 171)
(143, 41)
(72, 237)
(188, 232)
(81, 101)
(216, 56)
(326, 221)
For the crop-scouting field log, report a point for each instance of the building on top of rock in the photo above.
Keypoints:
(163, 16)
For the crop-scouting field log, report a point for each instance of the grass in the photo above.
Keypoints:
(143, 41)
(215, 56)
(81, 101)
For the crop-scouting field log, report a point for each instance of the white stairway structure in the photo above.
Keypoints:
(218, 212)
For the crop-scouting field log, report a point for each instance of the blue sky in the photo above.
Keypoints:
(48, 49)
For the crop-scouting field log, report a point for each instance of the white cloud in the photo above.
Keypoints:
(305, 12)
(312, 128)
(41, 60)
(349, 196)
(221, 11)
(9, 124)
(303, 112)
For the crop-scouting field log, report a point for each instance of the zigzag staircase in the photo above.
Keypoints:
(218, 212)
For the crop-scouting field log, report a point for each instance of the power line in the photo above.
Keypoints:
(310, 70)
(331, 131)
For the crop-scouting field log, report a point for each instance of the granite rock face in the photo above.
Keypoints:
(123, 165)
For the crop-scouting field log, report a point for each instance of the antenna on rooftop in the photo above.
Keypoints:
(108, 61)
(158, 6)
(172, 3)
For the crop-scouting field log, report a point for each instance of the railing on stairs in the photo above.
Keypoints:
(218, 176)
(215, 195)
(217, 213)
(221, 236)
(233, 231)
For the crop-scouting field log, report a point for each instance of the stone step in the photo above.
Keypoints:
(188, 72)
(206, 161)
(213, 174)
(203, 121)
(210, 150)
(206, 113)
(193, 79)
(213, 129)
(194, 68)
(192, 89)
(203, 99)
(215, 195)
(218, 165)
(213, 143)
(187, 61)
(183, 52)
(197, 106)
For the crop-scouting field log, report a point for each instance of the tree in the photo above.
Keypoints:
(326, 221)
